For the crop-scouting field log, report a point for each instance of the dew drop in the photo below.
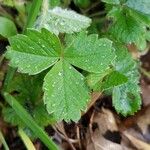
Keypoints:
(60, 74)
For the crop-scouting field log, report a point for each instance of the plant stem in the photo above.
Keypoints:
(29, 122)
(2, 139)
(26, 140)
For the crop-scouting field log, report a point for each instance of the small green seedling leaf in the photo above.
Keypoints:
(7, 27)
(60, 20)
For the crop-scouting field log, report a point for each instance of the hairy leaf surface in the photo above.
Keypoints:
(91, 54)
(34, 52)
(126, 97)
(127, 29)
(60, 20)
(65, 92)
(139, 5)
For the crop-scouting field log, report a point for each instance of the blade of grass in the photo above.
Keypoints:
(26, 140)
(33, 12)
(28, 120)
(9, 76)
(2, 139)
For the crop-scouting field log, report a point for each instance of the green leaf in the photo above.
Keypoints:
(80, 52)
(127, 29)
(91, 54)
(117, 2)
(7, 27)
(94, 80)
(113, 79)
(65, 92)
(41, 116)
(139, 5)
(126, 97)
(34, 52)
(60, 20)
(142, 18)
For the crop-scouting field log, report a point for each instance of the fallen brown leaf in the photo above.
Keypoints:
(139, 144)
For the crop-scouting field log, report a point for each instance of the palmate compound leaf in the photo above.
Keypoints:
(58, 20)
(65, 91)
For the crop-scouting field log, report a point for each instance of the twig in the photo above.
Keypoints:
(78, 136)
(91, 7)
(98, 14)
(64, 138)
(61, 129)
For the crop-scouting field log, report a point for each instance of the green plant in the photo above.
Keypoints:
(62, 60)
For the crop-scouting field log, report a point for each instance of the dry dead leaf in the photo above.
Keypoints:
(145, 93)
(144, 121)
(98, 142)
(139, 144)
(104, 121)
